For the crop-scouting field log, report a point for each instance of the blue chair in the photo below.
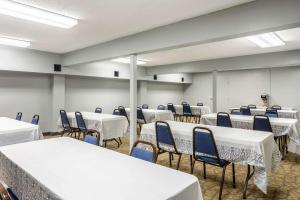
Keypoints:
(123, 112)
(271, 113)
(19, 116)
(143, 153)
(66, 124)
(116, 112)
(235, 112)
(140, 117)
(171, 107)
(82, 127)
(276, 107)
(245, 110)
(165, 141)
(205, 150)
(161, 107)
(35, 119)
(184, 102)
(98, 110)
(199, 104)
(145, 106)
(251, 106)
(187, 112)
(262, 123)
(92, 139)
(6, 193)
(223, 119)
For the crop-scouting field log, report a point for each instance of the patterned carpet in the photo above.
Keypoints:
(285, 184)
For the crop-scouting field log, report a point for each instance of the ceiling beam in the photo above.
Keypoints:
(267, 60)
(246, 19)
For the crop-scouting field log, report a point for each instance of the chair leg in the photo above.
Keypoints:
(170, 159)
(233, 175)
(204, 170)
(222, 182)
(178, 163)
(191, 163)
(193, 166)
(120, 140)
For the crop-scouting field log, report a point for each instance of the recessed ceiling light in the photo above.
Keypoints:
(127, 61)
(266, 40)
(14, 42)
(18, 10)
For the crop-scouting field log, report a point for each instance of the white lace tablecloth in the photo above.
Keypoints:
(69, 169)
(109, 126)
(13, 131)
(196, 110)
(240, 146)
(152, 115)
(292, 114)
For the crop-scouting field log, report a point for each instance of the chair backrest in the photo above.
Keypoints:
(64, 120)
(140, 115)
(276, 107)
(142, 152)
(98, 110)
(245, 110)
(199, 104)
(123, 112)
(145, 106)
(184, 102)
(171, 107)
(80, 122)
(252, 106)
(271, 112)
(186, 109)
(164, 135)
(35, 119)
(262, 123)
(161, 107)
(92, 139)
(204, 143)
(6, 193)
(223, 119)
(19, 116)
(116, 112)
(235, 112)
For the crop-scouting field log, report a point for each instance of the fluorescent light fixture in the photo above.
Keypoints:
(22, 11)
(14, 42)
(127, 61)
(266, 40)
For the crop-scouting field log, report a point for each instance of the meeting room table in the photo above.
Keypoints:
(283, 113)
(196, 110)
(153, 115)
(109, 126)
(70, 169)
(13, 131)
(240, 146)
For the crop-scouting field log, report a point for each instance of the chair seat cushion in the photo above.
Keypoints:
(212, 160)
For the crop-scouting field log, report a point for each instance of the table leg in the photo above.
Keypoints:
(248, 177)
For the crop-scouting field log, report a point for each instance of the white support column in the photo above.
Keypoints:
(58, 98)
(133, 99)
(215, 92)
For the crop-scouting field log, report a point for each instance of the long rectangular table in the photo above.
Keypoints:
(196, 110)
(240, 146)
(109, 126)
(293, 114)
(152, 115)
(65, 168)
(13, 131)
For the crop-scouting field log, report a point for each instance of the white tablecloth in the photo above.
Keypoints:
(196, 110)
(152, 115)
(293, 114)
(13, 131)
(240, 146)
(109, 126)
(65, 168)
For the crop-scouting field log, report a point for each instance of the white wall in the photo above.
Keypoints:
(27, 93)
(163, 93)
(200, 90)
(85, 94)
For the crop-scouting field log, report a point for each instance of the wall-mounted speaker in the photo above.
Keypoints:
(182, 79)
(57, 67)
(155, 77)
(116, 73)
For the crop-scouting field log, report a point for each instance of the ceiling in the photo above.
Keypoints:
(104, 20)
(221, 49)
